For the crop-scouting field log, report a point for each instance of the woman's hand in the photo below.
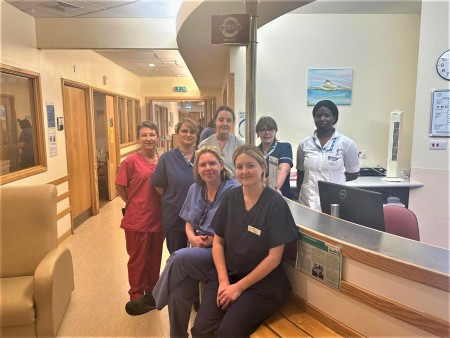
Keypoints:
(227, 294)
(203, 241)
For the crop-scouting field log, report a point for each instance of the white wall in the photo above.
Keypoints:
(387, 63)
(431, 167)
(381, 50)
(18, 49)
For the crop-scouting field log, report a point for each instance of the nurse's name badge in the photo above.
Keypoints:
(254, 230)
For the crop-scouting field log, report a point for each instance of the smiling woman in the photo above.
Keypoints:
(22, 150)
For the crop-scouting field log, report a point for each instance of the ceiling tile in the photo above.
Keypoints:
(168, 54)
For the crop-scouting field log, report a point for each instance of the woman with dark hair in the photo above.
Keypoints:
(178, 284)
(266, 129)
(26, 144)
(252, 226)
(326, 155)
(142, 220)
(172, 178)
(223, 139)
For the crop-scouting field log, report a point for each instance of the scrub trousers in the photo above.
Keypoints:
(240, 320)
(177, 286)
(145, 252)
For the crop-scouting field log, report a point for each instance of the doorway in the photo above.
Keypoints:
(79, 152)
(167, 112)
(105, 149)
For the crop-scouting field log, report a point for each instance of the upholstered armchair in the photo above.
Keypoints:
(36, 277)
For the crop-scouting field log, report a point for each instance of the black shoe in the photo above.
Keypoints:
(140, 306)
(148, 299)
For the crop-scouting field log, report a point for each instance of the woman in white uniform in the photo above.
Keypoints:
(326, 155)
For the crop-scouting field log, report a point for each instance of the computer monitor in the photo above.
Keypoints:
(356, 205)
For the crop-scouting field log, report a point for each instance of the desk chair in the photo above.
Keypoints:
(401, 221)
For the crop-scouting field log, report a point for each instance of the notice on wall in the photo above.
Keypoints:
(52, 146)
(440, 113)
(273, 172)
(320, 260)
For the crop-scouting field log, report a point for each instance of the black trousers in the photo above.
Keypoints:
(240, 320)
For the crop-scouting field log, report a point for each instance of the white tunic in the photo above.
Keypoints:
(328, 163)
(232, 144)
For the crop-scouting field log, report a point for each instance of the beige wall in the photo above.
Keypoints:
(431, 167)
(387, 63)
(381, 50)
(18, 49)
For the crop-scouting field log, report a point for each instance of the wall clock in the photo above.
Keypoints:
(442, 65)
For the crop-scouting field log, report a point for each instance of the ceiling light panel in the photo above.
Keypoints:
(146, 9)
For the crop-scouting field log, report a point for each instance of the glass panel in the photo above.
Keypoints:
(130, 119)
(121, 121)
(18, 133)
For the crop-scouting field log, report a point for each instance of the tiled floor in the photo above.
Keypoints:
(101, 284)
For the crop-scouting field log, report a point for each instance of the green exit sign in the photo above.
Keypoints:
(180, 89)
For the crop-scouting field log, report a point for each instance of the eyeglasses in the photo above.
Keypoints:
(266, 131)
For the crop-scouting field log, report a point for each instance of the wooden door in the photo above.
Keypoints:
(112, 162)
(78, 152)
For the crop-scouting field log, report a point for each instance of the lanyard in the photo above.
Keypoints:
(330, 149)
(185, 157)
(207, 205)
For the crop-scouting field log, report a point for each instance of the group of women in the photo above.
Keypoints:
(230, 234)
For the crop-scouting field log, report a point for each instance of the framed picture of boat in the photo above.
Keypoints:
(334, 84)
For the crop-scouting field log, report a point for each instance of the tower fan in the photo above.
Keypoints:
(395, 127)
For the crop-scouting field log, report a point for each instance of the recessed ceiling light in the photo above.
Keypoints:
(151, 65)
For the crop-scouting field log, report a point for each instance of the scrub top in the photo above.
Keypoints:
(175, 175)
(232, 144)
(199, 212)
(250, 234)
(283, 152)
(144, 202)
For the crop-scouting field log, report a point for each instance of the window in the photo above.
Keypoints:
(22, 135)
(129, 118)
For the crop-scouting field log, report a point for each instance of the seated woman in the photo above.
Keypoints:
(178, 283)
(252, 226)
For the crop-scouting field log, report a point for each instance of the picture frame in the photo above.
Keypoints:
(334, 84)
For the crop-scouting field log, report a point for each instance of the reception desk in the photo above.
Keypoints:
(376, 183)
(390, 286)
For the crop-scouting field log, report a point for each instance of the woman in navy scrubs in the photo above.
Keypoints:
(252, 226)
(266, 129)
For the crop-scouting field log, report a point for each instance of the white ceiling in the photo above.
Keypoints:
(169, 63)
(166, 63)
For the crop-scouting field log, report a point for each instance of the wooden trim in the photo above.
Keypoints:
(402, 312)
(396, 267)
(38, 124)
(129, 144)
(324, 318)
(63, 196)
(129, 153)
(63, 213)
(60, 180)
(18, 175)
(65, 236)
